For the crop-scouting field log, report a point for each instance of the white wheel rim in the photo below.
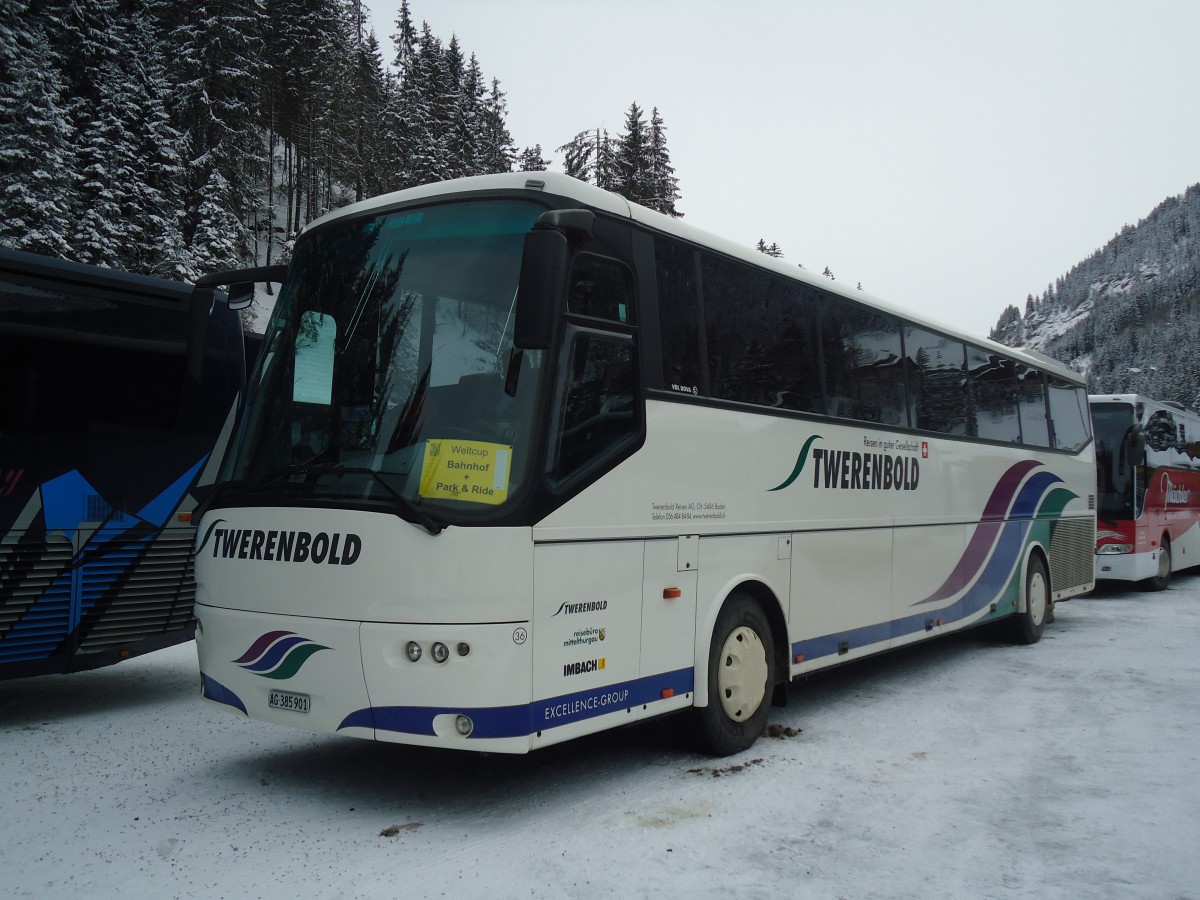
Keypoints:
(742, 674)
(1164, 563)
(1037, 597)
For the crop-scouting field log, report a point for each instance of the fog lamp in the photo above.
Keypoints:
(413, 649)
(440, 652)
(464, 726)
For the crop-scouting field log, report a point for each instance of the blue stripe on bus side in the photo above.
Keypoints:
(525, 719)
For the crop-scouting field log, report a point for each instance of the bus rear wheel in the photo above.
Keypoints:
(1160, 581)
(1027, 626)
(741, 676)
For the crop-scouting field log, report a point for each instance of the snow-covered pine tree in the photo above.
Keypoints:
(158, 162)
(632, 158)
(429, 151)
(128, 188)
(368, 154)
(663, 185)
(530, 160)
(217, 53)
(497, 153)
(36, 149)
(577, 156)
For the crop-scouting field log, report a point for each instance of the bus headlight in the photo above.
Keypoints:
(413, 649)
(1112, 549)
(440, 652)
(464, 726)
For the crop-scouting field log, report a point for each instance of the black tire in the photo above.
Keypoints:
(741, 678)
(1027, 626)
(1160, 581)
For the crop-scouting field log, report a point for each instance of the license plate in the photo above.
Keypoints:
(287, 700)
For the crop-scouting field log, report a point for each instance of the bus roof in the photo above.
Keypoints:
(67, 272)
(605, 201)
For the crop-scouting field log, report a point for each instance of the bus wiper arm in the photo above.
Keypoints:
(413, 512)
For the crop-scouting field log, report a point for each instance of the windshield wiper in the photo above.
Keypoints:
(415, 514)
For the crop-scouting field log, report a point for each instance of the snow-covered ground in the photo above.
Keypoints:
(964, 769)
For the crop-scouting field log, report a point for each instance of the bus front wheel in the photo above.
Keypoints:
(1028, 625)
(1160, 581)
(741, 676)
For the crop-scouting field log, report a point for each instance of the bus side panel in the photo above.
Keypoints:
(1172, 505)
(668, 621)
(1186, 552)
(725, 564)
(842, 597)
(587, 620)
(925, 602)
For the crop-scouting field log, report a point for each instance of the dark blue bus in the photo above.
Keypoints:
(113, 390)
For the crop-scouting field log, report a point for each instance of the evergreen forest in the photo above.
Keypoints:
(176, 138)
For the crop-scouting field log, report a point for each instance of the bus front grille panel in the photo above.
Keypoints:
(143, 592)
(1072, 551)
(35, 596)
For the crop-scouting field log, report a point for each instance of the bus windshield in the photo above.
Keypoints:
(1115, 471)
(389, 374)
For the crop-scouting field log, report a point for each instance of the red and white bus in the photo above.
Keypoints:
(1148, 488)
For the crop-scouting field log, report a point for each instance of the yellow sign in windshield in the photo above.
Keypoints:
(475, 471)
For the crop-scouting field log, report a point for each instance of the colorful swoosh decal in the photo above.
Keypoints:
(278, 654)
(1018, 495)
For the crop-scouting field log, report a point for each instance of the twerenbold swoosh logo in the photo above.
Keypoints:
(278, 654)
(800, 461)
(207, 537)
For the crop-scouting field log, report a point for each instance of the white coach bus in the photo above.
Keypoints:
(524, 461)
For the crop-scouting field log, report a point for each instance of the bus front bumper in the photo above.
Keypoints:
(1126, 566)
(468, 687)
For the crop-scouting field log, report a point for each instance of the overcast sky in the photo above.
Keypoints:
(950, 156)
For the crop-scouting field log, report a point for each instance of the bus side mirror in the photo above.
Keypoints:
(241, 294)
(543, 281)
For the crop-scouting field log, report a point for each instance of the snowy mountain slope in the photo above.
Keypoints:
(1128, 316)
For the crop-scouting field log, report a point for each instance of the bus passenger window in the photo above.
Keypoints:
(937, 382)
(679, 317)
(993, 396)
(863, 375)
(1035, 432)
(1069, 413)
